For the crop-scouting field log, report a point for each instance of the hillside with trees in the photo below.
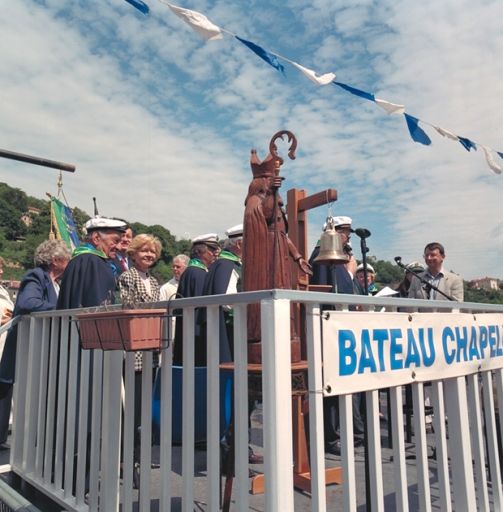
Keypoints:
(18, 241)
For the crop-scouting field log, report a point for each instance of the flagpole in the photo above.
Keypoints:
(37, 160)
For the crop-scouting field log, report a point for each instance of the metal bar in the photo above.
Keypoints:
(347, 453)
(146, 431)
(423, 482)
(492, 440)
(459, 444)
(42, 397)
(111, 427)
(213, 406)
(188, 410)
(277, 399)
(128, 439)
(437, 397)
(400, 469)
(375, 460)
(241, 407)
(316, 427)
(96, 403)
(166, 424)
(36, 160)
(477, 437)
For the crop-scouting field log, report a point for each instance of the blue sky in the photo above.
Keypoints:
(160, 123)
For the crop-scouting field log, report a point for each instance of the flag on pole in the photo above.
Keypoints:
(198, 22)
(62, 219)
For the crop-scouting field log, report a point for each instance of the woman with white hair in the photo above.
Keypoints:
(38, 291)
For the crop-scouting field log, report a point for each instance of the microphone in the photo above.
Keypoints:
(398, 259)
(362, 232)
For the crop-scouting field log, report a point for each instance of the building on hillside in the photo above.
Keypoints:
(486, 283)
(27, 217)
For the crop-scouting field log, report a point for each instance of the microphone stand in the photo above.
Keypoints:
(363, 234)
(428, 285)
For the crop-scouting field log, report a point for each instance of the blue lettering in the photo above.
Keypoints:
(381, 335)
(395, 349)
(483, 342)
(347, 352)
(462, 339)
(492, 339)
(500, 348)
(473, 352)
(412, 351)
(366, 358)
(447, 336)
(428, 358)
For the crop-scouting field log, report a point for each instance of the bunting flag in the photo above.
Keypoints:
(416, 132)
(445, 133)
(467, 143)
(62, 219)
(209, 31)
(490, 160)
(141, 6)
(270, 58)
(390, 108)
(356, 92)
(198, 22)
(313, 76)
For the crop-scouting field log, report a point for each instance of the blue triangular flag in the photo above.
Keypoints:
(500, 154)
(141, 6)
(356, 92)
(417, 133)
(263, 54)
(467, 143)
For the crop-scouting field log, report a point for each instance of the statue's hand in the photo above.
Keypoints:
(276, 181)
(304, 266)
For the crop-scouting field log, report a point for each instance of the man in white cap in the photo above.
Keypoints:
(360, 279)
(224, 277)
(205, 249)
(340, 278)
(88, 279)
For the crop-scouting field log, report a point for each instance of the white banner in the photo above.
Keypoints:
(364, 351)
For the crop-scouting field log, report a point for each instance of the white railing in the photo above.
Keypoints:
(74, 409)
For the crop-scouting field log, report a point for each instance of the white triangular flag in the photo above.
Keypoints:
(314, 77)
(198, 22)
(490, 160)
(390, 108)
(445, 133)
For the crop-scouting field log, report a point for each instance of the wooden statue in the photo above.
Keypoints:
(267, 251)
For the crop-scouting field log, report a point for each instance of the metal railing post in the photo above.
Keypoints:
(277, 397)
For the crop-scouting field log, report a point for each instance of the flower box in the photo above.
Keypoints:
(127, 329)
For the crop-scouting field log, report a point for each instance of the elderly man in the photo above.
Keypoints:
(360, 279)
(224, 277)
(88, 279)
(447, 282)
(205, 249)
(178, 267)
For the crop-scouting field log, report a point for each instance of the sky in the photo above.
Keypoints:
(160, 122)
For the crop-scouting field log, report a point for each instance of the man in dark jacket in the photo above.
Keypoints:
(204, 251)
(88, 279)
(340, 277)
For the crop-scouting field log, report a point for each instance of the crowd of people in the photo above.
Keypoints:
(112, 265)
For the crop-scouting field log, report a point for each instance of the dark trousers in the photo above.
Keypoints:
(331, 418)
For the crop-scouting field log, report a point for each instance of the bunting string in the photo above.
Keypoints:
(210, 32)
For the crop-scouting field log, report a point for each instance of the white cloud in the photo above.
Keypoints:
(160, 124)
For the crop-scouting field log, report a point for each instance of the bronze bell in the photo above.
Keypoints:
(331, 246)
